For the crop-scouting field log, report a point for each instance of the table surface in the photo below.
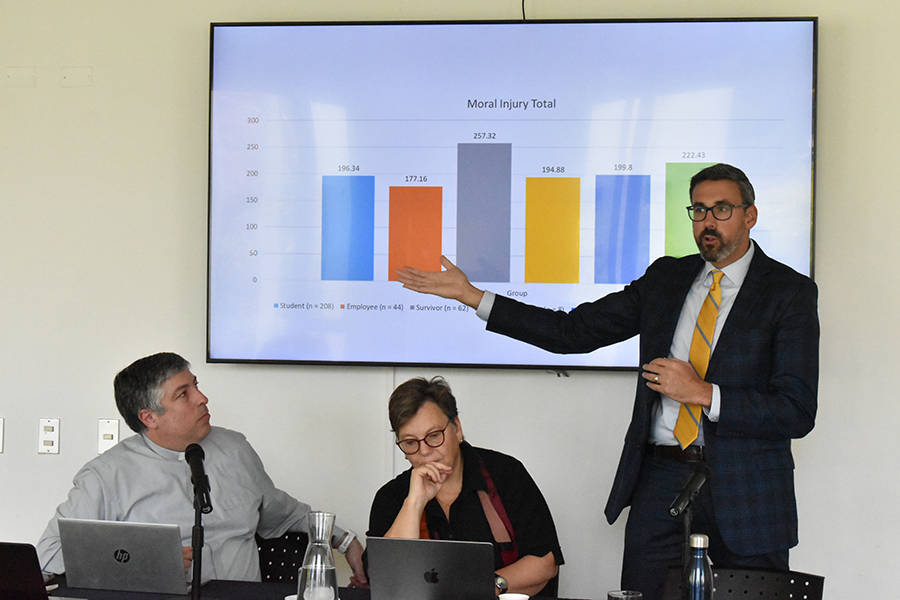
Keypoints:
(214, 590)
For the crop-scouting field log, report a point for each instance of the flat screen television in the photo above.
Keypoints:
(550, 160)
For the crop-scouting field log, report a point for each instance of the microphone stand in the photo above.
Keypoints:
(193, 455)
(686, 512)
(686, 517)
(197, 546)
(202, 506)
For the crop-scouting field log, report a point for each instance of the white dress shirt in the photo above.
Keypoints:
(665, 413)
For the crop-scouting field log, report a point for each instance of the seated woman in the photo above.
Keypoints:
(455, 491)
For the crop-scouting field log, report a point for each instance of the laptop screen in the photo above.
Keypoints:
(20, 574)
(403, 569)
(114, 555)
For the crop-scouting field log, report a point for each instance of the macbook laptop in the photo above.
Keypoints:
(401, 569)
(115, 555)
(20, 574)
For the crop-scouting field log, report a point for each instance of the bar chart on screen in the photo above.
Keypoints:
(545, 184)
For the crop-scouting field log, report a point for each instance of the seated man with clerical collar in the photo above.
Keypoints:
(145, 478)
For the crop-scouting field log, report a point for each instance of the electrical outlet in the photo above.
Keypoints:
(48, 436)
(107, 435)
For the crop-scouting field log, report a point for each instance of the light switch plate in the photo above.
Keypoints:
(107, 434)
(76, 77)
(1, 435)
(48, 436)
(19, 77)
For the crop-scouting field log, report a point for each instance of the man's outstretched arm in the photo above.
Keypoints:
(450, 283)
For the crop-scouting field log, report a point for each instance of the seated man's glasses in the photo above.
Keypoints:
(721, 212)
(433, 439)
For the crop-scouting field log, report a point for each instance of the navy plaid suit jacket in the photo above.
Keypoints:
(766, 363)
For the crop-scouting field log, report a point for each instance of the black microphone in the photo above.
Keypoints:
(701, 474)
(194, 457)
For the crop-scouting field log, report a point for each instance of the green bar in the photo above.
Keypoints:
(679, 234)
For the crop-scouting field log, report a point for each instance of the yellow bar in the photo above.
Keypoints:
(552, 222)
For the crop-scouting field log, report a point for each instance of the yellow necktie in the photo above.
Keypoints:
(688, 424)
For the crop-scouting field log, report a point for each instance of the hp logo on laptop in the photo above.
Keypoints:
(122, 556)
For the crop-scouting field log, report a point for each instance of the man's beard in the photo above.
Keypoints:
(714, 255)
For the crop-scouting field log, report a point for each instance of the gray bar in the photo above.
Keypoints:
(483, 183)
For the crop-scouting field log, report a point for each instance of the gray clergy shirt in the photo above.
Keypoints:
(137, 480)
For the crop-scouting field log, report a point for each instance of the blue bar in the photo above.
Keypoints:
(622, 228)
(348, 228)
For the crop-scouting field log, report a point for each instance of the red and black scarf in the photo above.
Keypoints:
(501, 527)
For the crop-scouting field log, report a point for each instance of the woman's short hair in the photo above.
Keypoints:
(411, 395)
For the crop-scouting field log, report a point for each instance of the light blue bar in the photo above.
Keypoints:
(622, 228)
(348, 228)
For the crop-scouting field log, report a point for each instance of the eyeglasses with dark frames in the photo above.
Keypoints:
(721, 212)
(433, 439)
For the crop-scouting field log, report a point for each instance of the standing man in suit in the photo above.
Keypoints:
(756, 392)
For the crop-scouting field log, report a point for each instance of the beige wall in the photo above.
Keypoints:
(103, 260)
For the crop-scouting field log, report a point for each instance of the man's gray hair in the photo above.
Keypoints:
(723, 171)
(139, 386)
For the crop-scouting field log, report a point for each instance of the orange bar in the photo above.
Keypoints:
(414, 238)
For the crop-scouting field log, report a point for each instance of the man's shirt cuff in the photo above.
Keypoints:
(712, 413)
(485, 306)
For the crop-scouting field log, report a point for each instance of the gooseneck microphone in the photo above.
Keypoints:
(193, 454)
(701, 474)
(194, 457)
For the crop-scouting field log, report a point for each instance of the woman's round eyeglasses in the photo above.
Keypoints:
(433, 439)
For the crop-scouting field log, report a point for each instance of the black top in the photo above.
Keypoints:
(528, 512)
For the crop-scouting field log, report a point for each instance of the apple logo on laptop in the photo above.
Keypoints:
(431, 576)
(122, 556)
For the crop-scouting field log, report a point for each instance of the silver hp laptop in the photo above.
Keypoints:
(130, 557)
(401, 569)
(20, 574)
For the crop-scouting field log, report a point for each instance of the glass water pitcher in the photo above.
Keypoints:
(317, 579)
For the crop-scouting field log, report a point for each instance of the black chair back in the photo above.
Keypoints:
(280, 558)
(754, 583)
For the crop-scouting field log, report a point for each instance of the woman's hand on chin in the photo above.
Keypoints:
(426, 480)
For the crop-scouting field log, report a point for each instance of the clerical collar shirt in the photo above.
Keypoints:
(137, 480)
(665, 413)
